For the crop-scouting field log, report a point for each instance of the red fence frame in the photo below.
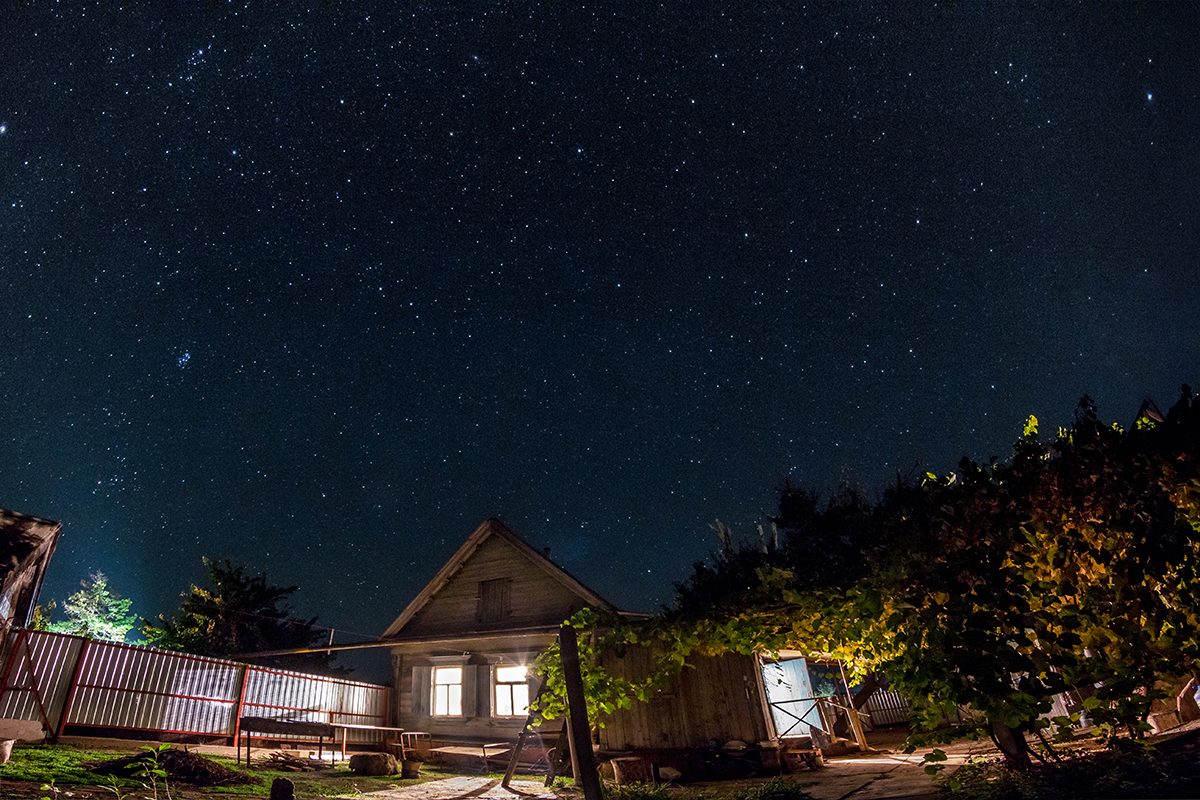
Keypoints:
(61, 680)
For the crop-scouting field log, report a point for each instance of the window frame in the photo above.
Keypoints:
(449, 698)
(508, 687)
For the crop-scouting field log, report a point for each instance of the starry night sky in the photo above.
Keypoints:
(318, 291)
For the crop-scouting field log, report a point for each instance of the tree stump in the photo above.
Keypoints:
(283, 789)
(632, 769)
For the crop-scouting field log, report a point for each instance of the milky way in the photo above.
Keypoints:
(319, 291)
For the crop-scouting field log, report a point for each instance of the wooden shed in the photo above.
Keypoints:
(731, 715)
(462, 645)
(26, 545)
(714, 698)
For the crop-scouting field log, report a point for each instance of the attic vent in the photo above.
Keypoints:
(495, 600)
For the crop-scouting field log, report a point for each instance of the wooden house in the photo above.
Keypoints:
(461, 648)
(26, 545)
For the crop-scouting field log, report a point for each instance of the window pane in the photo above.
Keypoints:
(510, 674)
(503, 702)
(520, 699)
(447, 691)
(447, 675)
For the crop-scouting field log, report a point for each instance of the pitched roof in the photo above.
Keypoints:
(489, 529)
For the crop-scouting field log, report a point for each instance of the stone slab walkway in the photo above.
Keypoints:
(467, 788)
(872, 778)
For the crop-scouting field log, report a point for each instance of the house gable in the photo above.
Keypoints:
(495, 582)
(26, 545)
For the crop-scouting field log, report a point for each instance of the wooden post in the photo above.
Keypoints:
(72, 687)
(586, 776)
(23, 638)
(530, 719)
(237, 711)
(855, 722)
(571, 751)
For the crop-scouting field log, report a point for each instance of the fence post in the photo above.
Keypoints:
(12, 648)
(71, 689)
(237, 706)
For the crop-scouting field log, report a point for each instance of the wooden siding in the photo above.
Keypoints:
(713, 698)
(412, 713)
(536, 598)
(497, 601)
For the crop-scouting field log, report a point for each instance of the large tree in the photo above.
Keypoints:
(95, 611)
(1073, 567)
(240, 615)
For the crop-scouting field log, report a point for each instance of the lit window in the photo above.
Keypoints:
(447, 691)
(512, 692)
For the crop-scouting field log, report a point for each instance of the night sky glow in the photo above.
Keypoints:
(319, 291)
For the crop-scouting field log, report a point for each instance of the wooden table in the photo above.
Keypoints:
(293, 728)
(345, 726)
(298, 729)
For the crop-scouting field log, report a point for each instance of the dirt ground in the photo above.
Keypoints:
(884, 772)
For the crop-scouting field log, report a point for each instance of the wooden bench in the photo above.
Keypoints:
(480, 751)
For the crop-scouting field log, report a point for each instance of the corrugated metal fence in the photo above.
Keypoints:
(886, 707)
(63, 681)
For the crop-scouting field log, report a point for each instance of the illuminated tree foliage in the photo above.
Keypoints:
(239, 615)
(1072, 567)
(95, 612)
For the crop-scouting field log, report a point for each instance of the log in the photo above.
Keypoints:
(24, 729)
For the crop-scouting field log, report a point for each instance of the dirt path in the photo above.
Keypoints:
(464, 787)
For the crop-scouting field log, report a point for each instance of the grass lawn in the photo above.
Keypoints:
(63, 772)
(68, 771)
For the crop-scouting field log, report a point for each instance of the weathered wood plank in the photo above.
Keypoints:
(537, 599)
(289, 727)
(714, 698)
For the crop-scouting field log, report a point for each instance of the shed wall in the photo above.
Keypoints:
(715, 697)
